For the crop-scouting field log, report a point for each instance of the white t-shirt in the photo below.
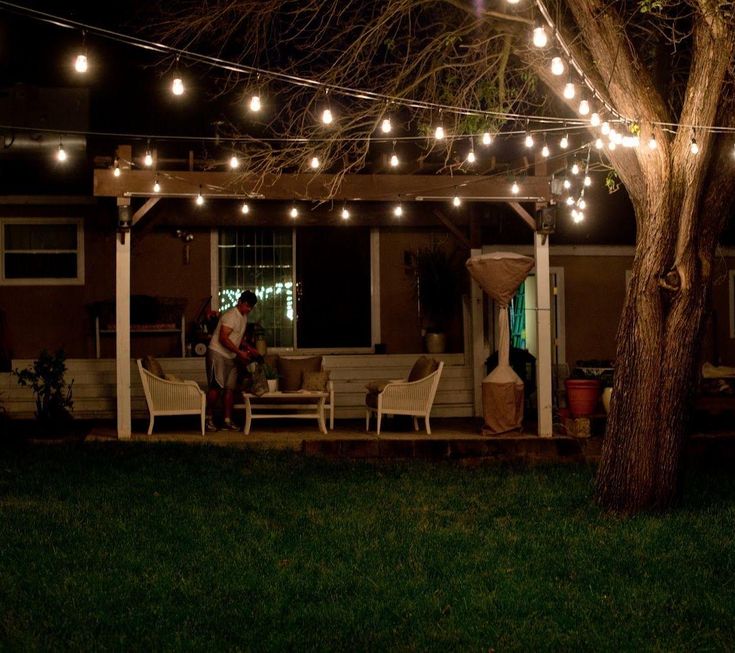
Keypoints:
(237, 322)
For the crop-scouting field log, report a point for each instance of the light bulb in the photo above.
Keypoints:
(605, 128)
(148, 159)
(595, 119)
(581, 203)
(584, 108)
(567, 184)
(234, 162)
(456, 201)
(569, 90)
(587, 180)
(177, 87)
(398, 211)
(545, 150)
(80, 63)
(557, 66)
(652, 144)
(564, 142)
(612, 145)
(693, 147)
(314, 163)
(599, 144)
(580, 217)
(471, 156)
(116, 171)
(61, 153)
(386, 126)
(200, 199)
(540, 39)
(345, 214)
(570, 201)
(255, 104)
(156, 186)
(529, 140)
(294, 213)
(327, 117)
(514, 188)
(244, 209)
(575, 168)
(439, 133)
(394, 160)
(573, 213)
(486, 138)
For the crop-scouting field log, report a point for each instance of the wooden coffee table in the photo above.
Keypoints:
(303, 404)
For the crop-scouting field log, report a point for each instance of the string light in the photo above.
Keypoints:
(456, 202)
(345, 213)
(693, 147)
(557, 66)
(386, 126)
(116, 171)
(244, 209)
(514, 188)
(314, 163)
(471, 158)
(595, 119)
(569, 89)
(80, 63)
(570, 200)
(294, 212)
(605, 128)
(599, 144)
(575, 168)
(398, 211)
(584, 108)
(177, 86)
(529, 139)
(545, 149)
(200, 197)
(581, 203)
(148, 158)
(394, 160)
(564, 142)
(567, 184)
(439, 133)
(234, 162)
(540, 38)
(156, 185)
(652, 144)
(587, 180)
(255, 104)
(487, 138)
(61, 153)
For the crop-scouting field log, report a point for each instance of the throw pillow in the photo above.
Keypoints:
(153, 366)
(376, 387)
(291, 371)
(315, 381)
(172, 377)
(422, 368)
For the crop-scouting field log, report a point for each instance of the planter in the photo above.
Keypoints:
(606, 396)
(582, 396)
(272, 385)
(435, 343)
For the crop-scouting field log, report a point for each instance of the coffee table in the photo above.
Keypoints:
(302, 404)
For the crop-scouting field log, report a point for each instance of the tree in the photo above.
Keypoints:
(665, 67)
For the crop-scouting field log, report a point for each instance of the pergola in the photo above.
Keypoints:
(352, 188)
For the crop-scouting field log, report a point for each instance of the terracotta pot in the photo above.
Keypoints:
(582, 396)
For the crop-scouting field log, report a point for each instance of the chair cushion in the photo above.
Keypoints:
(376, 386)
(153, 366)
(422, 368)
(315, 381)
(291, 371)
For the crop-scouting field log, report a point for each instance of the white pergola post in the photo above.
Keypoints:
(122, 319)
(478, 338)
(543, 323)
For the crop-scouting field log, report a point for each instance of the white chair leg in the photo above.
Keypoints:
(331, 414)
(150, 425)
(415, 423)
(203, 422)
(428, 428)
(367, 419)
(380, 416)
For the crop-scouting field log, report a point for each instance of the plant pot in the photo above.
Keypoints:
(582, 396)
(435, 343)
(272, 385)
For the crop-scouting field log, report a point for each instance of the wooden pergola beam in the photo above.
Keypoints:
(315, 188)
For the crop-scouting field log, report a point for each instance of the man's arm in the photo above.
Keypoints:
(224, 338)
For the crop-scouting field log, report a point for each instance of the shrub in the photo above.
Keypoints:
(46, 378)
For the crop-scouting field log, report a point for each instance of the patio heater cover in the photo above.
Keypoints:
(499, 275)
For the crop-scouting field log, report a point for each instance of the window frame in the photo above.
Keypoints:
(374, 295)
(78, 280)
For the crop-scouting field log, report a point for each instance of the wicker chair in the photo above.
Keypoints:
(405, 398)
(166, 397)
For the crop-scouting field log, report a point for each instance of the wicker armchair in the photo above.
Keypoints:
(166, 397)
(404, 398)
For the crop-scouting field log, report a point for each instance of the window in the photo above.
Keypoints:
(39, 251)
(313, 285)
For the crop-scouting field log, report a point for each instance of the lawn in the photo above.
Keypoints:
(183, 547)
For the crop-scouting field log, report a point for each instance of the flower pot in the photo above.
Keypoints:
(272, 385)
(582, 396)
(606, 396)
(435, 343)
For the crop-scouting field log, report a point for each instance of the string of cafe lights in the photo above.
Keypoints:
(608, 128)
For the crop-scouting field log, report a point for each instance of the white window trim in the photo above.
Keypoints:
(76, 281)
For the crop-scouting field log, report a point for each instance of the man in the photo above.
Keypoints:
(222, 355)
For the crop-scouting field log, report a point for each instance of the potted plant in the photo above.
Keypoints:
(260, 343)
(53, 397)
(271, 375)
(583, 393)
(437, 283)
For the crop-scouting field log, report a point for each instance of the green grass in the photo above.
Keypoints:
(136, 547)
